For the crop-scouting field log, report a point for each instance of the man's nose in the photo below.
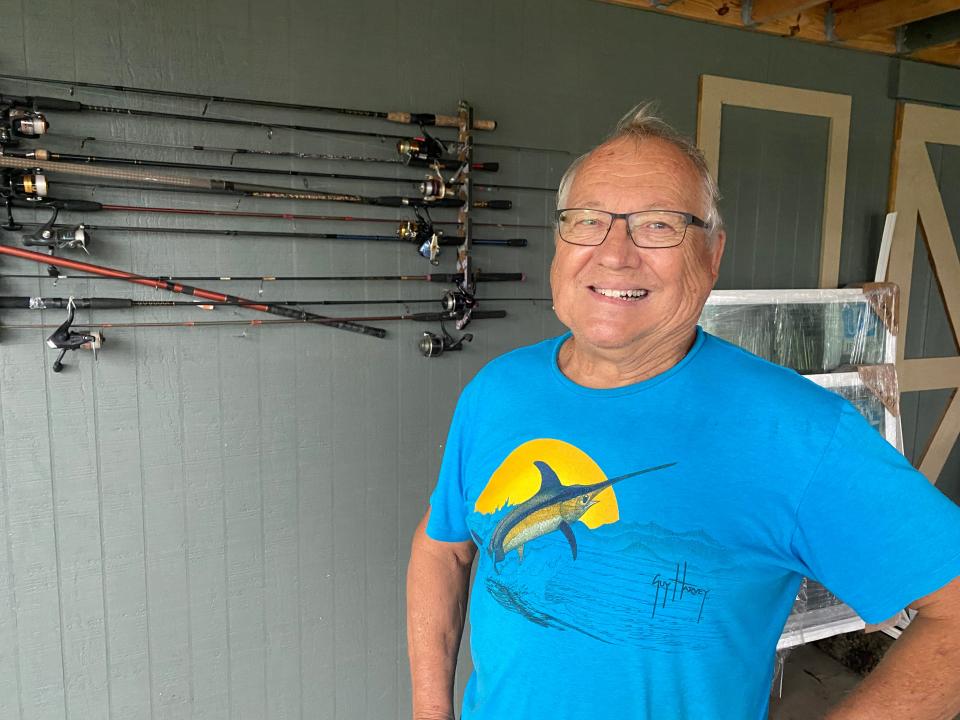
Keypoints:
(618, 249)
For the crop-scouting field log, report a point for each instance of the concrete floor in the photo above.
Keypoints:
(813, 682)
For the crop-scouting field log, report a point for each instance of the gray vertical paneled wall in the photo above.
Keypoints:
(214, 523)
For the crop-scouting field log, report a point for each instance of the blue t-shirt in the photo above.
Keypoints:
(640, 547)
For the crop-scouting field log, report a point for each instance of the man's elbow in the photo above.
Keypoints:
(457, 556)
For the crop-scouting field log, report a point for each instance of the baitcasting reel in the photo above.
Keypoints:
(64, 339)
(433, 345)
(17, 122)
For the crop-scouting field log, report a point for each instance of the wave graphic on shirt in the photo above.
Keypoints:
(630, 586)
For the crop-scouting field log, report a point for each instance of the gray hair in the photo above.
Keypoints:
(641, 124)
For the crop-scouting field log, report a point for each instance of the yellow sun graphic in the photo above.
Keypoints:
(517, 479)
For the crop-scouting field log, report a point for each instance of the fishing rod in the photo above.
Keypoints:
(86, 206)
(48, 104)
(405, 118)
(39, 104)
(416, 232)
(418, 160)
(66, 339)
(12, 302)
(161, 284)
(419, 232)
(194, 184)
(430, 278)
(391, 201)
(415, 317)
(41, 154)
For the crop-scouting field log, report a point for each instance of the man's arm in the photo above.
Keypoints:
(438, 577)
(918, 678)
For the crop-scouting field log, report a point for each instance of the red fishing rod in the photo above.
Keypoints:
(406, 118)
(12, 302)
(161, 284)
(430, 278)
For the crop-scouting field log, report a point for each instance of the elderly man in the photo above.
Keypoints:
(644, 498)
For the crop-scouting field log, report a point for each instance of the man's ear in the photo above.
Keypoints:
(716, 252)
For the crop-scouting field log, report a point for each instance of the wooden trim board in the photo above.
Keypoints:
(915, 196)
(715, 92)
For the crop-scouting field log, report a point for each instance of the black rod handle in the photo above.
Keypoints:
(493, 204)
(487, 314)
(49, 103)
(500, 277)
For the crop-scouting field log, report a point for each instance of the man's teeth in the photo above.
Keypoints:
(623, 294)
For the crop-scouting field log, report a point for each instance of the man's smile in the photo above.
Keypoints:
(629, 294)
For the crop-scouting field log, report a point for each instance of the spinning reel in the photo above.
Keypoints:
(64, 339)
(458, 305)
(422, 232)
(424, 150)
(433, 345)
(53, 238)
(19, 122)
(20, 185)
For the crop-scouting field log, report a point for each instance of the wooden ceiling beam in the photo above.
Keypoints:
(936, 32)
(853, 18)
(763, 11)
(948, 55)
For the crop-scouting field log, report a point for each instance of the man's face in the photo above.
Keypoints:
(626, 176)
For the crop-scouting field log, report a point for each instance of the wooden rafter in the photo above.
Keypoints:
(853, 18)
(824, 22)
(948, 55)
(939, 31)
(763, 11)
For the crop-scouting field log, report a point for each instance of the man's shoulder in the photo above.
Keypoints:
(750, 377)
(517, 364)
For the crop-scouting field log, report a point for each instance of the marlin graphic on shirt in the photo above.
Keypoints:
(554, 507)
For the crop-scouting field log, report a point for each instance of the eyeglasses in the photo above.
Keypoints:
(647, 228)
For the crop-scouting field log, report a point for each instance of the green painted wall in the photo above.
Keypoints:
(214, 523)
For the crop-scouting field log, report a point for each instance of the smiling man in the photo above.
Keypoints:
(647, 497)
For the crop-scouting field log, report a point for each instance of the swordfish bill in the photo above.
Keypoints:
(554, 507)
(175, 287)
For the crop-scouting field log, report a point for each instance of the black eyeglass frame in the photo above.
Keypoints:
(690, 219)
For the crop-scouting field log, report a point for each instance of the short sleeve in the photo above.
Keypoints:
(447, 516)
(872, 529)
